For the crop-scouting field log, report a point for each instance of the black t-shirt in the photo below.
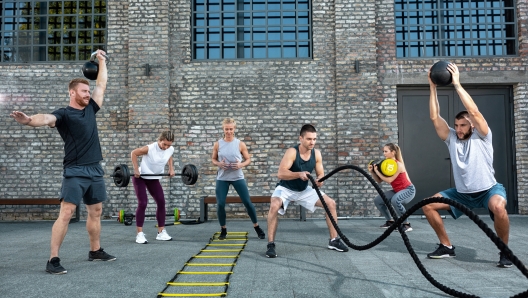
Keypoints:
(78, 129)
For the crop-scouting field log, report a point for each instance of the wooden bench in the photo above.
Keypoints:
(53, 201)
(205, 201)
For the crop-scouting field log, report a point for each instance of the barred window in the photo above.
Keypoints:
(455, 28)
(251, 29)
(35, 31)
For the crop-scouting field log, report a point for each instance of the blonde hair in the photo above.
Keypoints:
(228, 121)
(395, 148)
(166, 135)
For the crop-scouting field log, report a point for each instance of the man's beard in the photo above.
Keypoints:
(466, 135)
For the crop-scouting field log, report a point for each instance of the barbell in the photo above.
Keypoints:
(121, 175)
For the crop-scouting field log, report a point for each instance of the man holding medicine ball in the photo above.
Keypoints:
(471, 152)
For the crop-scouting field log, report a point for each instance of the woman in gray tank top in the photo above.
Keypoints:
(230, 155)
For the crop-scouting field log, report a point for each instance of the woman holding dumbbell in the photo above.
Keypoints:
(230, 155)
(403, 191)
(154, 158)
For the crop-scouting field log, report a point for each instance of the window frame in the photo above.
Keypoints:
(68, 28)
(451, 29)
(239, 45)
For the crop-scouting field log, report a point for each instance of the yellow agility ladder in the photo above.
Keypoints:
(209, 270)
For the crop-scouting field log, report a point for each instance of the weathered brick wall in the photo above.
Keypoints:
(355, 112)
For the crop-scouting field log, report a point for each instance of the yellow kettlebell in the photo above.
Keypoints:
(388, 167)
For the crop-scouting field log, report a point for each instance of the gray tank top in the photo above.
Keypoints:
(231, 152)
(472, 161)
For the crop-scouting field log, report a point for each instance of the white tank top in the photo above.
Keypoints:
(155, 160)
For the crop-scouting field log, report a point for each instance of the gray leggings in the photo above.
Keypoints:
(397, 200)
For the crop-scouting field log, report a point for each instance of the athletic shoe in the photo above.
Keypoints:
(140, 238)
(387, 224)
(337, 245)
(504, 262)
(54, 267)
(270, 253)
(163, 236)
(260, 233)
(223, 234)
(100, 255)
(442, 252)
(406, 227)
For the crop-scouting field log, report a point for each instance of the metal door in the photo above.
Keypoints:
(425, 155)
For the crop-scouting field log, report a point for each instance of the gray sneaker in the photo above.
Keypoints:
(54, 267)
(100, 255)
(337, 245)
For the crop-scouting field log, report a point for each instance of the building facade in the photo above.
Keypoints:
(346, 82)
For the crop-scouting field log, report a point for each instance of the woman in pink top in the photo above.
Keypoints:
(403, 191)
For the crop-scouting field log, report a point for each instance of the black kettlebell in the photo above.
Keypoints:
(129, 217)
(90, 69)
(439, 73)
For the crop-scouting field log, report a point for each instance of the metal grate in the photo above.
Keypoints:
(34, 31)
(251, 29)
(455, 28)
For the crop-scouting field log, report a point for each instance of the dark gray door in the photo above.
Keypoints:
(426, 156)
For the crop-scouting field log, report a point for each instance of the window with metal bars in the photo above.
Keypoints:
(41, 31)
(251, 29)
(455, 28)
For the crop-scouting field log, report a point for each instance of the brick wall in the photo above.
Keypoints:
(355, 112)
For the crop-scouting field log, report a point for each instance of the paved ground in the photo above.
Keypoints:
(304, 267)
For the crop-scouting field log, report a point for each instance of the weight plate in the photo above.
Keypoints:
(121, 175)
(176, 214)
(189, 174)
(121, 217)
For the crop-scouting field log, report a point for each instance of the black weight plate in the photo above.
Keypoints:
(121, 175)
(189, 174)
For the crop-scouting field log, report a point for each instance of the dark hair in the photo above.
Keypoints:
(307, 128)
(462, 115)
(166, 135)
(73, 83)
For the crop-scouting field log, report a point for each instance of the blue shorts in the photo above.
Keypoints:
(474, 200)
(83, 182)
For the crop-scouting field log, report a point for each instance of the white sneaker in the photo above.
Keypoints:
(140, 238)
(163, 236)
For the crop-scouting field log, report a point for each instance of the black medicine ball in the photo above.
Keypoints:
(439, 73)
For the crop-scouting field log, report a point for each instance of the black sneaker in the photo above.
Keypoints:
(270, 253)
(260, 233)
(337, 245)
(406, 227)
(223, 234)
(442, 252)
(504, 262)
(100, 255)
(54, 267)
(387, 224)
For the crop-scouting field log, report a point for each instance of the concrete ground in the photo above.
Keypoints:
(304, 266)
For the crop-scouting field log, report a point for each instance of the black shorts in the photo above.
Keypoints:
(83, 182)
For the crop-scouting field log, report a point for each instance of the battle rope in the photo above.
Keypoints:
(399, 221)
